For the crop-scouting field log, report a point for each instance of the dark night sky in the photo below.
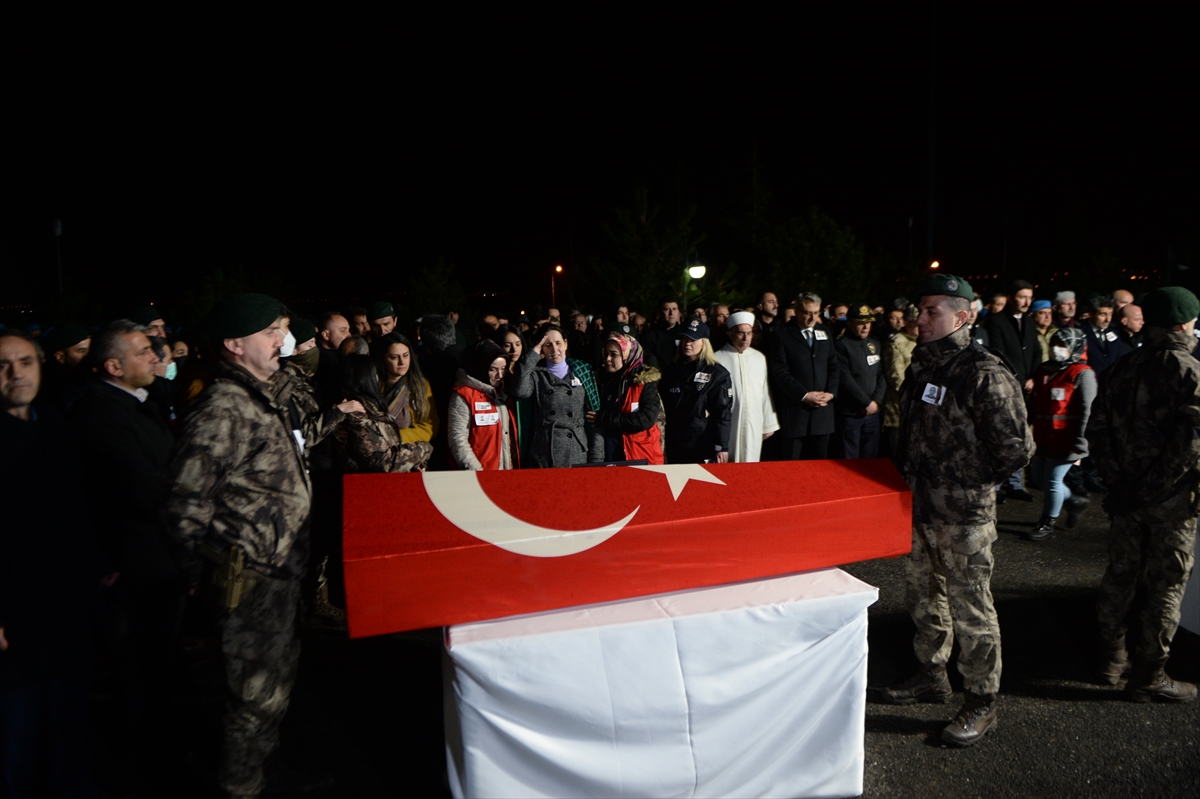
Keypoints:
(346, 150)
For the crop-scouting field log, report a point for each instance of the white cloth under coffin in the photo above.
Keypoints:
(751, 689)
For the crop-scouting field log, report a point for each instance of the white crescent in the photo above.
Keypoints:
(460, 498)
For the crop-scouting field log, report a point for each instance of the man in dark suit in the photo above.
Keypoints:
(1013, 333)
(802, 366)
(123, 438)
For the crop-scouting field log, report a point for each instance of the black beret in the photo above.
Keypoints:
(144, 315)
(1169, 306)
(303, 330)
(64, 336)
(378, 310)
(242, 315)
(946, 285)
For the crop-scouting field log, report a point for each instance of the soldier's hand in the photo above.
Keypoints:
(3, 640)
(351, 406)
(722, 457)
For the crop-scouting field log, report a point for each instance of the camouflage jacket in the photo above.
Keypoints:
(301, 396)
(896, 358)
(238, 475)
(370, 442)
(963, 429)
(1144, 431)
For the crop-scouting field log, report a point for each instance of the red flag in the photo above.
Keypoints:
(425, 550)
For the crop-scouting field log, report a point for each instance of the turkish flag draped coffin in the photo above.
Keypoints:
(442, 548)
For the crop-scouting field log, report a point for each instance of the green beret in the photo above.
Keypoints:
(303, 330)
(1169, 306)
(145, 315)
(378, 310)
(64, 337)
(242, 315)
(947, 285)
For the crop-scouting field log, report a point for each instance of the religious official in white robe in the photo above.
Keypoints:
(753, 412)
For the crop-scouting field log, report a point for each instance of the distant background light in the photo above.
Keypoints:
(696, 272)
(934, 265)
(558, 269)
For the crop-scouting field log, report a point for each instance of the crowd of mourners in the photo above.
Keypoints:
(136, 440)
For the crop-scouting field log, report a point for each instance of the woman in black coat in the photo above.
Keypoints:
(697, 393)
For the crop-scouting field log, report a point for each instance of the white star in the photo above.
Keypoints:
(678, 475)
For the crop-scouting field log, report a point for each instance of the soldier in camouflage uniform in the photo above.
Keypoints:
(963, 428)
(239, 480)
(1143, 438)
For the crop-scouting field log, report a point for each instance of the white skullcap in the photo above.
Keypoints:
(739, 318)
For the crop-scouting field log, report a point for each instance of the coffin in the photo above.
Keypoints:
(443, 548)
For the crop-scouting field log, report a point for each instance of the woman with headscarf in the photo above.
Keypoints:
(630, 408)
(369, 441)
(1063, 390)
(562, 392)
(407, 395)
(511, 342)
(482, 432)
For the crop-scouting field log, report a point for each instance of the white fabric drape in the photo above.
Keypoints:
(751, 689)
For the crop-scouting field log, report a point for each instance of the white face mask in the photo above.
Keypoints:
(289, 345)
(1060, 353)
(172, 370)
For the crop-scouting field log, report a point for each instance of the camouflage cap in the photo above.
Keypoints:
(243, 315)
(1171, 305)
(380, 310)
(947, 285)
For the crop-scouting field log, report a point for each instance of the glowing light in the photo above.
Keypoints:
(558, 268)
(696, 272)
(934, 265)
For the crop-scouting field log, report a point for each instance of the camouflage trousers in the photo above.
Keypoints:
(949, 596)
(260, 651)
(1150, 552)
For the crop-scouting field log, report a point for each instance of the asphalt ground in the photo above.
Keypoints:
(369, 712)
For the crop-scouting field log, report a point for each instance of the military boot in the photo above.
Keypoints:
(929, 684)
(1151, 684)
(975, 720)
(1114, 662)
(1044, 530)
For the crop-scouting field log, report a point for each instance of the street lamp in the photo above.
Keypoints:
(697, 272)
(553, 297)
(934, 265)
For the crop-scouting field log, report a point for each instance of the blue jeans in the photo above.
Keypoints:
(1048, 476)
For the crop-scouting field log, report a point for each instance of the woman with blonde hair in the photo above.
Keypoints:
(697, 394)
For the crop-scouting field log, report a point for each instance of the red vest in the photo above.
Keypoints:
(646, 444)
(484, 431)
(1055, 428)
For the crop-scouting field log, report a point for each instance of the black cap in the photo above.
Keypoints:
(303, 330)
(860, 312)
(695, 330)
